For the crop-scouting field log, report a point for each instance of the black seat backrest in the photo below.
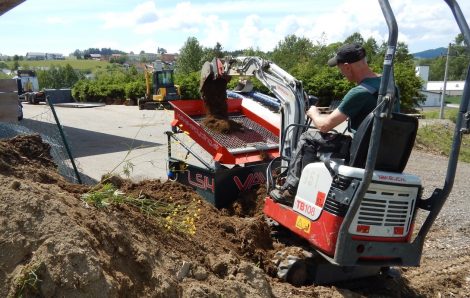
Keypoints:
(396, 143)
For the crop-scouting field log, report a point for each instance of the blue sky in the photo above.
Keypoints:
(62, 26)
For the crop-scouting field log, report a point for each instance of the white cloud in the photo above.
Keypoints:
(262, 24)
(55, 20)
(184, 17)
(215, 30)
(422, 24)
(141, 14)
(253, 35)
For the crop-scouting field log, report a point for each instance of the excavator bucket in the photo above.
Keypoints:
(212, 71)
(244, 86)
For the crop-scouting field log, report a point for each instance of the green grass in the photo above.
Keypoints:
(437, 138)
(76, 64)
(453, 99)
(27, 282)
(449, 113)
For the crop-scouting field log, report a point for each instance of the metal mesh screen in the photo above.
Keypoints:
(252, 135)
(45, 125)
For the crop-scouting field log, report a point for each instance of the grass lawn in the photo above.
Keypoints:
(85, 65)
(437, 137)
(453, 99)
(449, 113)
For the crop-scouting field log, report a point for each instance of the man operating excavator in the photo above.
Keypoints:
(355, 106)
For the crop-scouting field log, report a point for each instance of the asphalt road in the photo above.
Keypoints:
(104, 139)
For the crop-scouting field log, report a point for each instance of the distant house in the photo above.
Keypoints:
(35, 56)
(432, 89)
(95, 56)
(140, 57)
(452, 87)
(54, 56)
(433, 99)
(169, 58)
(44, 56)
(4, 57)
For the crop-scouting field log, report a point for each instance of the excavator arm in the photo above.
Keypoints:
(288, 90)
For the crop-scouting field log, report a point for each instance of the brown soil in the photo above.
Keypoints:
(214, 94)
(53, 244)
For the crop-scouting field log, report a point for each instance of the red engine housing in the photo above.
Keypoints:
(321, 233)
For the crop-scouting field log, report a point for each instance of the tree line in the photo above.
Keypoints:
(459, 59)
(299, 56)
(307, 61)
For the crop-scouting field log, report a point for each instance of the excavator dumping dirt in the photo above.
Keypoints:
(213, 88)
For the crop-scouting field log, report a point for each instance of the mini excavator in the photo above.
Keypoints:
(358, 217)
(161, 81)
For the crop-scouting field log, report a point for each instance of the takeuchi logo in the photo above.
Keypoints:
(392, 178)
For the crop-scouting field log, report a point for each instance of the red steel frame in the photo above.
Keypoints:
(321, 233)
(184, 109)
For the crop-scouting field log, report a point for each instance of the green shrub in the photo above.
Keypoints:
(135, 89)
(111, 83)
(189, 84)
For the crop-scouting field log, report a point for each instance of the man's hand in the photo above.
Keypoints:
(325, 123)
(313, 112)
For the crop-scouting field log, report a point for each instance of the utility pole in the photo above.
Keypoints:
(443, 94)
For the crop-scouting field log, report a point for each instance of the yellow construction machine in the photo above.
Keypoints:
(160, 80)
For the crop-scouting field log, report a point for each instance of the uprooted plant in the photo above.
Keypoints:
(168, 214)
(27, 281)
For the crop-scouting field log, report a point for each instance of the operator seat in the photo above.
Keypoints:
(396, 143)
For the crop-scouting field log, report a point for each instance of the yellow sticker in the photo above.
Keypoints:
(303, 224)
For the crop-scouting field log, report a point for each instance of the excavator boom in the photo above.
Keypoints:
(288, 90)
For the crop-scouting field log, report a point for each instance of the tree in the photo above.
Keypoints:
(254, 52)
(161, 51)
(408, 83)
(190, 58)
(16, 65)
(292, 50)
(58, 77)
(189, 84)
(211, 53)
(78, 54)
(356, 37)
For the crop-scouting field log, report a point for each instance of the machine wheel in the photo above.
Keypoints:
(141, 103)
(293, 265)
(29, 98)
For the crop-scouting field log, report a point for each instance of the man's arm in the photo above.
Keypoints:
(323, 122)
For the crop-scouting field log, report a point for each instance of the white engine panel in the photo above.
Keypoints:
(313, 188)
(386, 210)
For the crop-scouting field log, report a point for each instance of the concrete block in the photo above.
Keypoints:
(9, 107)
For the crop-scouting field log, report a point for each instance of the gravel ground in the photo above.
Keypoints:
(432, 170)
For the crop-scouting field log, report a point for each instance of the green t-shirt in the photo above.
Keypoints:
(360, 101)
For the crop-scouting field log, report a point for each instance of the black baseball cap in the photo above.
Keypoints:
(348, 53)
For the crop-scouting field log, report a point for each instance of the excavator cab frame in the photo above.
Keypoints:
(160, 88)
(360, 217)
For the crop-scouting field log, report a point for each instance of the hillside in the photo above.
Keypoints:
(430, 54)
(84, 65)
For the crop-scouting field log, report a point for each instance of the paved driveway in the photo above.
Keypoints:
(103, 138)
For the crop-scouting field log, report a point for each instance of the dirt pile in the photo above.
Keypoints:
(53, 242)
